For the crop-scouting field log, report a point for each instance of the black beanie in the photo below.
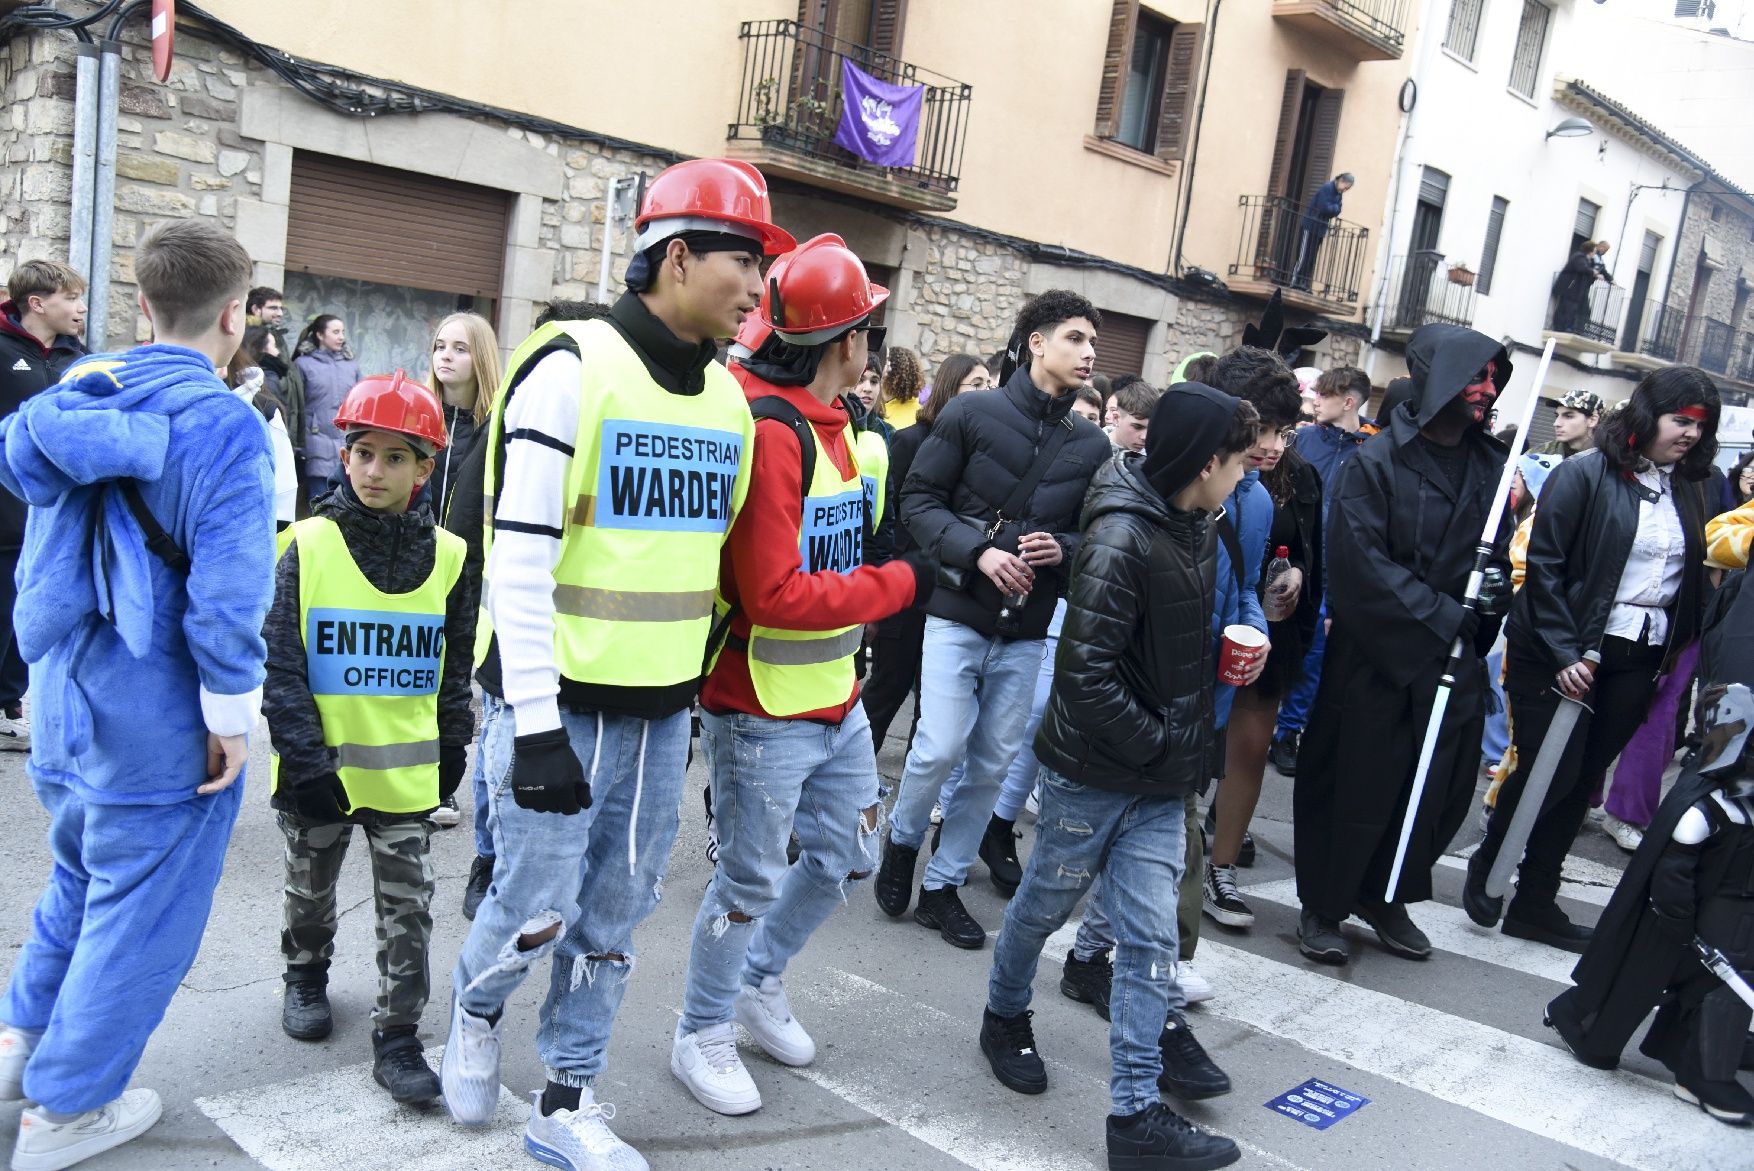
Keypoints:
(1187, 426)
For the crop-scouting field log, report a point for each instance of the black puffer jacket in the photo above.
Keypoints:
(395, 551)
(462, 437)
(978, 451)
(1582, 535)
(1131, 707)
(26, 367)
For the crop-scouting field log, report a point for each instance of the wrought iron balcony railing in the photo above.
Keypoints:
(1592, 313)
(1421, 291)
(1283, 244)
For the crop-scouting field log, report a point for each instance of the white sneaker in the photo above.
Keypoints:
(447, 814)
(579, 1140)
(1195, 987)
(765, 1012)
(1032, 803)
(16, 1046)
(48, 1146)
(1626, 835)
(937, 817)
(707, 1063)
(469, 1072)
(14, 735)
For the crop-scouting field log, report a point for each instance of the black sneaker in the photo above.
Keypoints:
(1546, 924)
(400, 1067)
(895, 877)
(1725, 1101)
(447, 815)
(1320, 939)
(1245, 853)
(1009, 1043)
(1395, 928)
(1089, 981)
(480, 878)
(1562, 1017)
(304, 1008)
(1159, 1139)
(1481, 907)
(943, 912)
(1220, 900)
(1188, 1073)
(1283, 754)
(999, 852)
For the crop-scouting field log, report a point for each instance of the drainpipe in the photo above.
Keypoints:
(85, 85)
(97, 320)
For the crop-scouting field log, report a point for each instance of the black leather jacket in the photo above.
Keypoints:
(1583, 532)
(1131, 708)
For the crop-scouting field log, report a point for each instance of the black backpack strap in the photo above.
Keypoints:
(1232, 545)
(158, 541)
(1017, 504)
(772, 406)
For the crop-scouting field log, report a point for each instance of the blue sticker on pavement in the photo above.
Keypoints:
(1317, 1104)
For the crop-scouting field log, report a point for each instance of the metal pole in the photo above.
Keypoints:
(85, 103)
(608, 236)
(97, 320)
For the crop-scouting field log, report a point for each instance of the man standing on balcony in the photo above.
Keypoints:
(1322, 210)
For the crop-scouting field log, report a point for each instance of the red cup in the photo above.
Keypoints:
(1236, 653)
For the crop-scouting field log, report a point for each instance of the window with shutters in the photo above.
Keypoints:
(1531, 42)
(1583, 226)
(1463, 33)
(1489, 251)
(1149, 75)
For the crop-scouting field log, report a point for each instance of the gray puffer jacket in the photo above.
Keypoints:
(327, 376)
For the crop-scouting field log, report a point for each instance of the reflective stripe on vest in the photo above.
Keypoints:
(874, 464)
(798, 671)
(374, 662)
(651, 488)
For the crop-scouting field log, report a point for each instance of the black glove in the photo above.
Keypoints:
(322, 800)
(1494, 597)
(1676, 927)
(453, 759)
(1469, 628)
(925, 575)
(546, 774)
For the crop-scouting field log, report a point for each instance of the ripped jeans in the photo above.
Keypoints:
(598, 874)
(770, 777)
(1136, 844)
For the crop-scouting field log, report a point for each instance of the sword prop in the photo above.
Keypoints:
(1720, 966)
(1470, 599)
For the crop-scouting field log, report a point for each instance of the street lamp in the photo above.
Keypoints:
(1571, 128)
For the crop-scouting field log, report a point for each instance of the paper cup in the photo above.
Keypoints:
(1235, 652)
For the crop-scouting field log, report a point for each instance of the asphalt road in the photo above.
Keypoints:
(1450, 1053)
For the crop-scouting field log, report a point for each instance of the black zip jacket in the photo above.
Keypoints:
(1583, 532)
(396, 552)
(1131, 707)
(980, 448)
(902, 450)
(26, 367)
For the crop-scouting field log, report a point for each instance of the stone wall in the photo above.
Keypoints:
(1733, 234)
(965, 296)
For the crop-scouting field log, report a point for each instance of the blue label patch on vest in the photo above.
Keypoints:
(870, 483)
(662, 476)
(833, 533)
(373, 652)
(1317, 1104)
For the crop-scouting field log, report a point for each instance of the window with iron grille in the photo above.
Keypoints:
(1464, 27)
(1531, 40)
(1489, 251)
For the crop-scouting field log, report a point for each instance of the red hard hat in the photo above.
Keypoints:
(395, 403)
(721, 191)
(752, 334)
(817, 290)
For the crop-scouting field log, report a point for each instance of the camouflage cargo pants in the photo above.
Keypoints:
(402, 883)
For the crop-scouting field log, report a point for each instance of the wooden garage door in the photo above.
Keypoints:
(394, 227)
(1120, 344)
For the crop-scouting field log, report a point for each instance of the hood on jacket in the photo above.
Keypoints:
(1119, 485)
(1443, 360)
(342, 505)
(1536, 467)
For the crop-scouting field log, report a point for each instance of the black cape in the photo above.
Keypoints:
(1400, 545)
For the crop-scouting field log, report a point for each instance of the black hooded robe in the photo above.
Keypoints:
(1401, 543)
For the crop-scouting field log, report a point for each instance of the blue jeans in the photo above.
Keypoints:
(595, 874)
(115, 931)
(1020, 777)
(1294, 711)
(769, 777)
(974, 704)
(1136, 844)
(490, 712)
(1495, 741)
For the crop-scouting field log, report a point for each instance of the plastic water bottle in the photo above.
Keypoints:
(1276, 600)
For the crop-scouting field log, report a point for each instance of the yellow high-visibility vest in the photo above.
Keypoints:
(652, 486)
(374, 661)
(873, 455)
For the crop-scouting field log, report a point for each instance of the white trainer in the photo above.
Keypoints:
(707, 1063)
(579, 1140)
(1195, 987)
(16, 1046)
(49, 1146)
(765, 1012)
(1626, 835)
(14, 734)
(469, 1072)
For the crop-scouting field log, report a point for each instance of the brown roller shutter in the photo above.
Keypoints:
(1115, 62)
(1289, 107)
(371, 223)
(1179, 82)
(888, 20)
(1324, 137)
(1120, 344)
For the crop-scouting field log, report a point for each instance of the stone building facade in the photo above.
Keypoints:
(1714, 279)
(218, 139)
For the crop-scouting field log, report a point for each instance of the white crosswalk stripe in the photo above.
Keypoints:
(1583, 880)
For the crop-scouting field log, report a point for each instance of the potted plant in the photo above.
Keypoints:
(1460, 273)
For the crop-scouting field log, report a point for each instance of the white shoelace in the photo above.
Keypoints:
(720, 1050)
(589, 1124)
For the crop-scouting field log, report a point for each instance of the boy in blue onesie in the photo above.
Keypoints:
(147, 569)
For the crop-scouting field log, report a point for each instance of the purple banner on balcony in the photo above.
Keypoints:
(879, 122)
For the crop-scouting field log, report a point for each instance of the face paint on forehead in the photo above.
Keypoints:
(1484, 386)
